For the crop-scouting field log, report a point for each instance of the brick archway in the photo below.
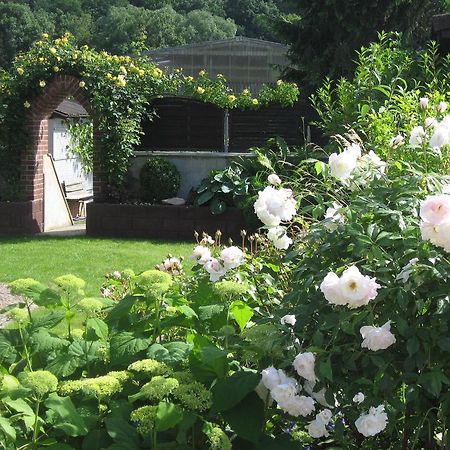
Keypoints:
(32, 158)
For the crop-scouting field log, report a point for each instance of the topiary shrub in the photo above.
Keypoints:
(159, 179)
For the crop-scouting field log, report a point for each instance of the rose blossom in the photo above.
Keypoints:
(272, 377)
(377, 338)
(332, 213)
(359, 398)
(274, 179)
(424, 102)
(440, 137)
(416, 137)
(288, 319)
(430, 122)
(232, 257)
(274, 206)
(437, 234)
(331, 289)
(435, 209)
(283, 393)
(343, 164)
(298, 405)
(372, 159)
(215, 269)
(372, 423)
(201, 254)
(316, 429)
(304, 365)
(279, 238)
(397, 141)
(442, 107)
(356, 288)
(324, 416)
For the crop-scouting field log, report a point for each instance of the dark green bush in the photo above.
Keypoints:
(159, 179)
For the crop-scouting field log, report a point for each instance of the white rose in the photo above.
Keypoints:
(272, 377)
(304, 365)
(283, 393)
(372, 423)
(442, 107)
(215, 269)
(377, 338)
(437, 234)
(333, 217)
(424, 102)
(279, 238)
(373, 160)
(324, 416)
(331, 289)
(357, 289)
(207, 239)
(430, 122)
(435, 209)
(263, 393)
(316, 429)
(343, 164)
(298, 405)
(232, 257)
(359, 398)
(201, 254)
(274, 179)
(440, 137)
(288, 319)
(397, 141)
(274, 206)
(416, 137)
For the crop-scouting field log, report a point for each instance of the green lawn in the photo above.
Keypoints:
(45, 258)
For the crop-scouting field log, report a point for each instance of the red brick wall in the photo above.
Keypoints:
(32, 174)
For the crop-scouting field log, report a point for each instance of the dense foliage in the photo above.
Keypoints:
(120, 90)
(123, 26)
(324, 35)
(159, 179)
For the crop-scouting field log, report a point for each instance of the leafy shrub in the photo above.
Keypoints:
(159, 179)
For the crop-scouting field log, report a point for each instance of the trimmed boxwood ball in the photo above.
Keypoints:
(159, 179)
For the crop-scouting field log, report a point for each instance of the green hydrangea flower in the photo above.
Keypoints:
(76, 333)
(101, 387)
(150, 367)
(41, 382)
(70, 283)
(145, 418)
(128, 274)
(154, 282)
(194, 396)
(158, 388)
(68, 388)
(228, 290)
(90, 305)
(183, 377)
(18, 314)
(22, 285)
(218, 440)
(120, 375)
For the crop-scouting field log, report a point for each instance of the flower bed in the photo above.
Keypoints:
(160, 222)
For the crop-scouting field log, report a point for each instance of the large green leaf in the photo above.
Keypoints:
(241, 312)
(170, 353)
(7, 429)
(21, 406)
(8, 353)
(121, 309)
(43, 341)
(229, 391)
(168, 416)
(125, 344)
(246, 419)
(206, 360)
(123, 433)
(64, 365)
(62, 414)
(204, 197)
(47, 320)
(98, 327)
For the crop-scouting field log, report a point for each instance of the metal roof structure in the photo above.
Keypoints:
(245, 62)
(70, 109)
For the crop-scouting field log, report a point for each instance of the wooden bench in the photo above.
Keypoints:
(77, 197)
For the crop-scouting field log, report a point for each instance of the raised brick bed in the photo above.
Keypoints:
(160, 222)
(21, 217)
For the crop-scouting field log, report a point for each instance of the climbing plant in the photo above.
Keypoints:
(120, 90)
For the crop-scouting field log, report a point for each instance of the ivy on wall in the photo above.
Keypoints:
(120, 90)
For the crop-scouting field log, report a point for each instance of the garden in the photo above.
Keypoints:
(327, 328)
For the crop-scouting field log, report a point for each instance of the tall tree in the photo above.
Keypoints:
(324, 34)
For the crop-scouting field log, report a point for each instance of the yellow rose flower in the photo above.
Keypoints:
(141, 72)
(123, 70)
(200, 90)
(245, 92)
(82, 84)
(190, 78)
(202, 73)
(41, 59)
(20, 70)
(109, 76)
(55, 69)
(42, 83)
(231, 98)
(121, 81)
(44, 36)
(157, 72)
(53, 50)
(27, 104)
(279, 82)
(255, 101)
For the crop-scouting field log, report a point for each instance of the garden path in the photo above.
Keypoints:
(6, 299)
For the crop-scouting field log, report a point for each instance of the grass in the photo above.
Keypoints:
(44, 258)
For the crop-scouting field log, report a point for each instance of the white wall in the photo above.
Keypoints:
(193, 166)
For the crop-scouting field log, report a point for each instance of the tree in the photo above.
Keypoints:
(202, 26)
(324, 34)
(19, 27)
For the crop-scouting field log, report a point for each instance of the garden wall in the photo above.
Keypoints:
(193, 166)
(160, 222)
(21, 217)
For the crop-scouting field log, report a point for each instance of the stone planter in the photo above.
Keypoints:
(21, 217)
(161, 222)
